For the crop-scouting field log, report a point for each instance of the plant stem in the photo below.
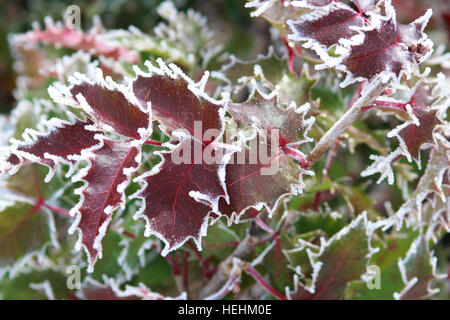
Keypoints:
(204, 263)
(370, 94)
(153, 142)
(186, 271)
(228, 286)
(255, 274)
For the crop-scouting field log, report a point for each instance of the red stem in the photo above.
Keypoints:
(56, 209)
(333, 151)
(153, 142)
(386, 104)
(291, 55)
(128, 234)
(255, 275)
(186, 271)
(273, 236)
(228, 286)
(204, 263)
(174, 264)
(297, 156)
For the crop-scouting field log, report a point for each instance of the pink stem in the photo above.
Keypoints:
(255, 275)
(56, 209)
(186, 271)
(227, 287)
(153, 142)
(297, 156)
(203, 263)
(291, 55)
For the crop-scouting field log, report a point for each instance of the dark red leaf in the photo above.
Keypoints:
(263, 180)
(175, 105)
(362, 5)
(63, 141)
(318, 3)
(418, 270)
(327, 25)
(389, 48)
(415, 136)
(267, 114)
(103, 192)
(111, 107)
(178, 198)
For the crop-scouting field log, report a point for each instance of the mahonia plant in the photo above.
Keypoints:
(318, 170)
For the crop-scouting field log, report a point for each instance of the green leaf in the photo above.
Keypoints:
(341, 259)
(218, 235)
(35, 285)
(418, 270)
(392, 248)
(329, 222)
(24, 231)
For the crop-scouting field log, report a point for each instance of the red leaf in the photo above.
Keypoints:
(175, 105)
(415, 136)
(262, 172)
(262, 181)
(326, 25)
(264, 112)
(387, 48)
(113, 108)
(418, 270)
(178, 197)
(315, 3)
(64, 141)
(105, 182)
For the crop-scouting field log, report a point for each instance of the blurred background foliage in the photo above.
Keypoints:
(243, 36)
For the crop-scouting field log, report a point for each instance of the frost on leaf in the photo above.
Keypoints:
(361, 5)
(27, 227)
(326, 26)
(262, 172)
(24, 230)
(180, 192)
(430, 182)
(177, 102)
(189, 32)
(111, 107)
(63, 141)
(418, 270)
(110, 290)
(59, 35)
(260, 6)
(368, 44)
(105, 181)
(415, 135)
(179, 195)
(256, 179)
(265, 112)
(385, 48)
(340, 260)
(424, 111)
